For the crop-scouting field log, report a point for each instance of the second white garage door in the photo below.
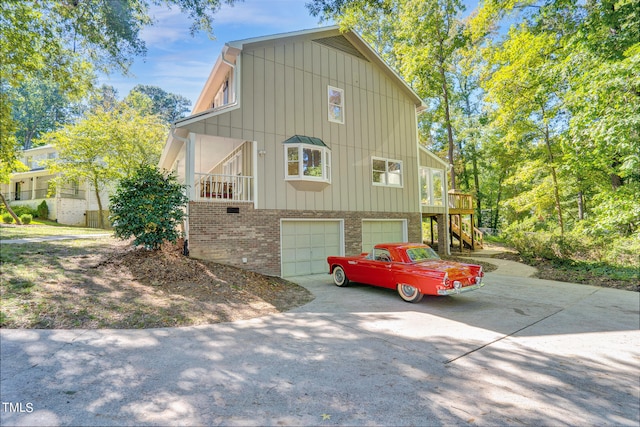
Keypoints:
(305, 245)
(382, 231)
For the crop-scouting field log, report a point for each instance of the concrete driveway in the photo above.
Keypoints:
(520, 351)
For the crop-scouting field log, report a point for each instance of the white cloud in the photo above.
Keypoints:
(170, 25)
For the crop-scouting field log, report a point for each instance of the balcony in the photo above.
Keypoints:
(460, 203)
(223, 188)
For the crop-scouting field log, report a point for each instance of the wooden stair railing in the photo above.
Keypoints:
(463, 234)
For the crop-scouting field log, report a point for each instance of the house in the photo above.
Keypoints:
(304, 145)
(72, 203)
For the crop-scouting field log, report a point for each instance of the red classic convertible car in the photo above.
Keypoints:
(413, 270)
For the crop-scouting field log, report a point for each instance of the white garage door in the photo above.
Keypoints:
(382, 231)
(305, 245)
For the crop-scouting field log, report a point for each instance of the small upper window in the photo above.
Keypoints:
(336, 105)
(386, 172)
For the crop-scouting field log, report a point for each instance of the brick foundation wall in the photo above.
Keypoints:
(216, 235)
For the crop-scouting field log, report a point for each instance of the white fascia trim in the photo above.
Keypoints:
(203, 115)
(239, 44)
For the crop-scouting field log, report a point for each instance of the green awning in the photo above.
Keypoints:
(301, 139)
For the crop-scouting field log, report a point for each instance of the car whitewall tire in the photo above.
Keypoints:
(339, 276)
(409, 293)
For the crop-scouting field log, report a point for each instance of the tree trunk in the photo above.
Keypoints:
(11, 212)
(616, 181)
(556, 191)
(476, 181)
(494, 224)
(580, 206)
(100, 216)
(447, 119)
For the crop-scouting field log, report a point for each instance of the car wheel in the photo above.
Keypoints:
(409, 293)
(339, 276)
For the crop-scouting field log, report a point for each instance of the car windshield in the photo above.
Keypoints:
(422, 254)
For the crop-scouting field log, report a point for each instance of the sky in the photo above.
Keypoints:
(179, 63)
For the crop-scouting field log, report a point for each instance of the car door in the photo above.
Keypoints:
(376, 269)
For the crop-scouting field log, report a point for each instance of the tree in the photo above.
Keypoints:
(570, 70)
(148, 206)
(9, 162)
(169, 106)
(38, 106)
(526, 89)
(68, 39)
(107, 145)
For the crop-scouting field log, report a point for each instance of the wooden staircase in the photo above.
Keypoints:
(463, 231)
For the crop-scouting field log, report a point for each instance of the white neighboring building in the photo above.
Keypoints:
(68, 204)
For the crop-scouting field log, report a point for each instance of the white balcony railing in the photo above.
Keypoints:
(222, 188)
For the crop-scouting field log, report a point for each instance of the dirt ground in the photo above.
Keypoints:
(109, 284)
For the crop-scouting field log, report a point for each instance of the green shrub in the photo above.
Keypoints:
(7, 218)
(43, 210)
(26, 218)
(24, 210)
(149, 207)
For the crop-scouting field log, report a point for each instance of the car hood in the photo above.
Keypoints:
(455, 270)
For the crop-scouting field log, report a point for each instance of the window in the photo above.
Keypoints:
(336, 105)
(308, 162)
(381, 255)
(18, 190)
(224, 94)
(386, 172)
(233, 166)
(431, 186)
(421, 254)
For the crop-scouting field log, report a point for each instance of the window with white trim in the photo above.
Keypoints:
(307, 162)
(431, 186)
(386, 172)
(336, 105)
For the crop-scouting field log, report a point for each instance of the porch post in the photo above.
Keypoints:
(189, 167)
(431, 221)
(34, 180)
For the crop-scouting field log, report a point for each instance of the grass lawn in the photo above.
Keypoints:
(44, 228)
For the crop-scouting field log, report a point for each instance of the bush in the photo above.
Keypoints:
(24, 210)
(26, 218)
(149, 207)
(7, 218)
(43, 210)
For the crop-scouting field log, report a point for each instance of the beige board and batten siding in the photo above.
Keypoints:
(284, 93)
